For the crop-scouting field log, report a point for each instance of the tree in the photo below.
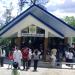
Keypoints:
(22, 3)
(1, 23)
(8, 13)
(5, 41)
(70, 20)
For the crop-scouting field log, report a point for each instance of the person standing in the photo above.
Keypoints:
(2, 56)
(53, 62)
(0, 51)
(25, 57)
(30, 57)
(36, 59)
(67, 55)
(70, 56)
(54, 51)
(53, 57)
(17, 56)
(10, 58)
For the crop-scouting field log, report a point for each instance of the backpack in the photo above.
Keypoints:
(15, 65)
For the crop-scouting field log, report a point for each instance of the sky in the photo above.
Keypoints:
(59, 8)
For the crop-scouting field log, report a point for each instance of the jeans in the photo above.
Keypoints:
(25, 64)
(1, 61)
(35, 64)
(29, 63)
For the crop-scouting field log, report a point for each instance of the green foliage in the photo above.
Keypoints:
(5, 41)
(7, 14)
(15, 72)
(70, 20)
(73, 39)
(22, 3)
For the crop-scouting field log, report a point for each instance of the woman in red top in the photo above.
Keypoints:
(25, 55)
(10, 58)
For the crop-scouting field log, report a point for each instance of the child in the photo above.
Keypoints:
(10, 57)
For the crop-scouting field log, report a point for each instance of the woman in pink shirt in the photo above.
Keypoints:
(10, 58)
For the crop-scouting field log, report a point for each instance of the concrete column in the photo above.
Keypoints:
(70, 40)
(19, 34)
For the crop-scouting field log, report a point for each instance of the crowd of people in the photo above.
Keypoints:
(59, 55)
(25, 55)
(21, 57)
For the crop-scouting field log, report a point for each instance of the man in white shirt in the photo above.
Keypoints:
(67, 56)
(70, 57)
(17, 56)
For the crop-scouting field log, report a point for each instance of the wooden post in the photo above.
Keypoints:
(65, 40)
(18, 41)
(45, 44)
(45, 48)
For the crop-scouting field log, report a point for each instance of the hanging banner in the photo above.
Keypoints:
(32, 35)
